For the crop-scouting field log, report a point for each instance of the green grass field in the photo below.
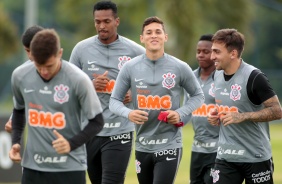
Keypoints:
(183, 172)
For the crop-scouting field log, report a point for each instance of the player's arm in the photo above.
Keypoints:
(260, 92)
(94, 126)
(193, 88)
(18, 125)
(8, 125)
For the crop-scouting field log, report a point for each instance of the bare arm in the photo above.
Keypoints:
(271, 111)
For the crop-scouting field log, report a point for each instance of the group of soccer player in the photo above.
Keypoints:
(83, 114)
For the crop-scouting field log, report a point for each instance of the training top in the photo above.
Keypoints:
(59, 104)
(94, 58)
(157, 86)
(246, 141)
(205, 135)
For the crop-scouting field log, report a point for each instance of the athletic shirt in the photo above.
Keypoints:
(246, 141)
(205, 135)
(157, 86)
(60, 104)
(94, 57)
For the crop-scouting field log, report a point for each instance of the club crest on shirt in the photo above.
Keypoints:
(168, 81)
(61, 94)
(123, 60)
(212, 90)
(235, 92)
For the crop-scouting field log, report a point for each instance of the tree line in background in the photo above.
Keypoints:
(185, 21)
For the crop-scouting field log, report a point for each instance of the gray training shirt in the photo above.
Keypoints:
(205, 135)
(246, 141)
(59, 104)
(94, 58)
(156, 86)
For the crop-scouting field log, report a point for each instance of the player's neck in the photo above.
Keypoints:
(154, 55)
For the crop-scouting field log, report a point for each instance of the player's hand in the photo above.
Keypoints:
(228, 118)
(8, 126)
(138, 116)
(213, 117)
(15, 154)
(173, 117)
(100, 81)
(127, 98)
(61, 145)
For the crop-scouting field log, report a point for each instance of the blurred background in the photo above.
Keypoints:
(185, 20)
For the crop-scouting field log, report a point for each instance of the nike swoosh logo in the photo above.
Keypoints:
(169, 159)
(215, 89)
(28, 90)
(91, 62)
(124, 142)
(137, 80)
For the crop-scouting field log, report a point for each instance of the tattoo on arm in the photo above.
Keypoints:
(271, 111)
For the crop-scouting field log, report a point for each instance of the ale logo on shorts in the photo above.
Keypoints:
(168, 81)
(235, 92)
(61, 94)
(137, 165)
(123, 60)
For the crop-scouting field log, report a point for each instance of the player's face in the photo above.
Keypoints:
(220, 55)
(203, 54)
(52, 66)
(153, 37)
(106, 25)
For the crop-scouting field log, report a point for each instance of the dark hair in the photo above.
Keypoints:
(231, 38)
(44, 45)
(106, 5)
(29, 34)
(206, 37)
(151, 20)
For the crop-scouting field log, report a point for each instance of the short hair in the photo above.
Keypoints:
(151, 20)
(44, 45)
(29, 34)
(231, 38)
(206, 37)
(106, 5)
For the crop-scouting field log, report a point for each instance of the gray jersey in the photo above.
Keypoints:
(94, 57)
(157, 86)
(246, 141)
(205, 135)
(61, 104)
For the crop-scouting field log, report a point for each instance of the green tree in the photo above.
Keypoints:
(8, 35)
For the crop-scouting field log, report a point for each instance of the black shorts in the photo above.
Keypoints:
(201, 166)
(108, 158)
(35, 177)
(235, 173)
(159, 167)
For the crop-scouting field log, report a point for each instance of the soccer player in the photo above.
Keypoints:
(53, 97)
(156, 80)
(26, 39)
(204, 146)
(245, 103)
(101, 57)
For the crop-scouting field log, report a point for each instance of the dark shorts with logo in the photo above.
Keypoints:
(35, 177)
(201, 166)
(235, 173)
(108, 158)
(158, 167)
